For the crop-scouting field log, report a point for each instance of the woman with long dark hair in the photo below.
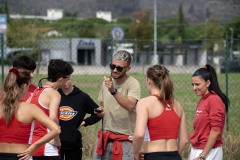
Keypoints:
(209, 120)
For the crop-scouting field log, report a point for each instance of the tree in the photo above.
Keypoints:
(4, 7)
(235, 26)
(125, 22)
(141, 28)
(212, 37)
(181, 24)
(21, 35)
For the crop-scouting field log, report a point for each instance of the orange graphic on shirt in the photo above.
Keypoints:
(67, 113)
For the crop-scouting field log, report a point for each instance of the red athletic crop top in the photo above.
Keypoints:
(15, 132)
(164, 126)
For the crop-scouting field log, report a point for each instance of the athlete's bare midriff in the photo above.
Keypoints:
(164, 145)
(12, 147)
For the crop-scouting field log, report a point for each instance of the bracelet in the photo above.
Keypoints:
(201, 157)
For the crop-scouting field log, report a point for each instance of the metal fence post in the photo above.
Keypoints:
(226, 72)
(2, 55)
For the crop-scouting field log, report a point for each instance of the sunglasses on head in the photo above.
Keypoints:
(119, 68)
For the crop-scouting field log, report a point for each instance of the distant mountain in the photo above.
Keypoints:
(195, 11)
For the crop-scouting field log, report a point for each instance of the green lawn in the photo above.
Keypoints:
(184, 94)
(182, 90)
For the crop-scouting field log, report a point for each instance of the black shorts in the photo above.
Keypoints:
(9, 156)
(173, 155)
(46, 158)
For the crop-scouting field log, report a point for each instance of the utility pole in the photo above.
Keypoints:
(205, 29)
(155, 55)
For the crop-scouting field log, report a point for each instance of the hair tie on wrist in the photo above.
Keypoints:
(15, 71)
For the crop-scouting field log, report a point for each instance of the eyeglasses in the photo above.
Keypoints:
(119, 68)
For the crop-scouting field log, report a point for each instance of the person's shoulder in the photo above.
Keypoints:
(214, 100)
(146, 102)
(27, 106)
(132, 80)
(83, 94)
(214, 97)
(177, 107)
(51, 92)
(176, 103)
(148, 99)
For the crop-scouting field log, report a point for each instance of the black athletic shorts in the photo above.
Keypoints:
(9, 156)
(162, 156)
(46, 158)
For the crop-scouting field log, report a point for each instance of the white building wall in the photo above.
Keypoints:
(54, 14)
(203, 58)
(106, 15)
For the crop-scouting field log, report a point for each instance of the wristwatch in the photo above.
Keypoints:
(201, 157)
(114, 91)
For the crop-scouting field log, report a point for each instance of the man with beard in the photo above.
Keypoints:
(118, 97)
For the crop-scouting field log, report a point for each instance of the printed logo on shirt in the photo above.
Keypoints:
(198, 112)
(67, 113)
(168, 107)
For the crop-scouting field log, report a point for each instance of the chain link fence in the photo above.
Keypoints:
(91, 57)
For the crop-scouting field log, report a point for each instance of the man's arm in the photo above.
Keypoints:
(89, 107)
(128, 103)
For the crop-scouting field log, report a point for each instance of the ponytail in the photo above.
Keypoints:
(12, 91)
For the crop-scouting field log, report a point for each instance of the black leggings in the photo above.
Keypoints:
(9, 156)
(162, 156)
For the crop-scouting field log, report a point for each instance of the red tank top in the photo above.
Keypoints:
(164, 126)
(30, 91)
(16, 131)
(39, 130)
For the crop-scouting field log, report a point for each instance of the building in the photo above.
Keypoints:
(79, 51)
(106, 15)
(52, 14)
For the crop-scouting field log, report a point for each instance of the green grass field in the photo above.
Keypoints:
(184, 94)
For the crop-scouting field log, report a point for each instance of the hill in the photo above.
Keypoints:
(195, 10)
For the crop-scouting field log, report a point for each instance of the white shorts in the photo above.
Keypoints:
(214, 154)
